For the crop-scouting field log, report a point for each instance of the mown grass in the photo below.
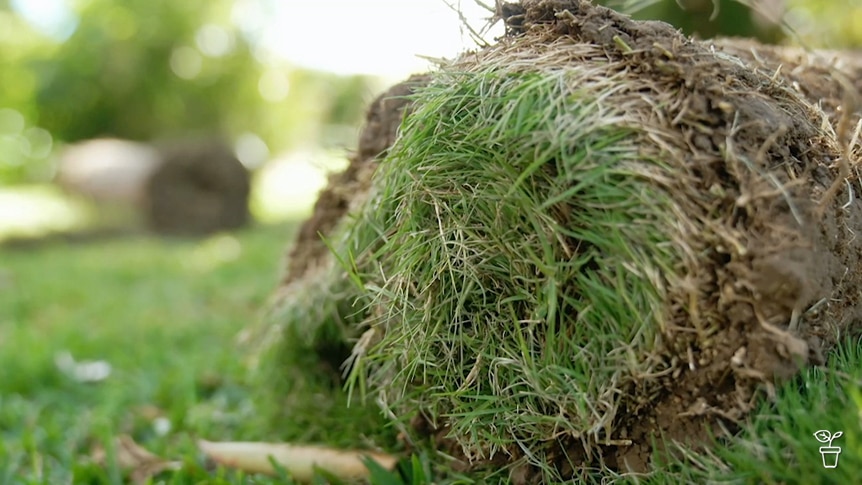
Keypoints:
(165, 315)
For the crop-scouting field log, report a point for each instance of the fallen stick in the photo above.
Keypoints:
(299, 461)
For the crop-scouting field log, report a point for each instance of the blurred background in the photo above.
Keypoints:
(282, 83)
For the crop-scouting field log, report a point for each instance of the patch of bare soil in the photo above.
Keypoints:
(381, 127)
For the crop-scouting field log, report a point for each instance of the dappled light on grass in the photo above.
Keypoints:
(86, 371)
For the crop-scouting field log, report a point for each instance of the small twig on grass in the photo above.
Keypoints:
(298, 461)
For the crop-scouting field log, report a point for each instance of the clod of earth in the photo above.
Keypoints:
(593, 235)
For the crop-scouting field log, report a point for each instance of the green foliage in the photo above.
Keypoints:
(132, 70)
(145, 69)
(833, 24)
(813, 23)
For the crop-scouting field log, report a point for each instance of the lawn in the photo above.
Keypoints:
(165, 315)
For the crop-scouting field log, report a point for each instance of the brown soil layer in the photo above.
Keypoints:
(771, 284)
(833, 79)
(344, 188)
(199, 188)
(781, 272)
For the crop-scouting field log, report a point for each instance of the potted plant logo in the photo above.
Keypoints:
(829, 453)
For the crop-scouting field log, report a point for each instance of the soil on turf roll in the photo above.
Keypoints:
(738, 258)
(830, 79)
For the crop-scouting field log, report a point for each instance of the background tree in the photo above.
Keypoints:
(816, 23)
(149, 69)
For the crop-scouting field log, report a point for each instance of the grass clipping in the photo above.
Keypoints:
(588, 236)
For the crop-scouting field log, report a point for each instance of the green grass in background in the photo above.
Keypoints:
(165, 315)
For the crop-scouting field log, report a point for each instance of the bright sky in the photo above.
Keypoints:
(371, 36)
(343, 36)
